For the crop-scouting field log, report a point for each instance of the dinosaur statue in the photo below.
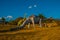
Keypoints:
(22, 25)
(23, 21)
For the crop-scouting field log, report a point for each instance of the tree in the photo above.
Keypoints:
(3, 19)
(41, 16)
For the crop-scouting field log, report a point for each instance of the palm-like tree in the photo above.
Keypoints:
(3, 19)
(41, 16)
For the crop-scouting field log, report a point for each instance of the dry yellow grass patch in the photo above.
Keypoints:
(43, 33)
(7, 26)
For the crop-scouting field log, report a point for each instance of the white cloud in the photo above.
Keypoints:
(35, 5)
(9, 17)
(30, 7)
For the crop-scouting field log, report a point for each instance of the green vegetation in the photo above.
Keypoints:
(44, 33)
(17, 20)
(41, 16)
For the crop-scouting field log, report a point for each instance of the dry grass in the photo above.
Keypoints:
(43, 33)
(7, 26)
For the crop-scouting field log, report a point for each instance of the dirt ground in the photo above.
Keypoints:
(43, 33)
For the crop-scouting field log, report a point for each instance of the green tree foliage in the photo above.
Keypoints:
(3, 19)
(41, 16)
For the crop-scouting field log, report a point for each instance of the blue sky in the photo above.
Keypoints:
(17, 8)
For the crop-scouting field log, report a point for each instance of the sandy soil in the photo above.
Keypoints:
(44, 33)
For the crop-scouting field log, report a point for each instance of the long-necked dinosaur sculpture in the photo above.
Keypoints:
(22, 25)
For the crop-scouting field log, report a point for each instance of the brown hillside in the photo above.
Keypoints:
(44, 33)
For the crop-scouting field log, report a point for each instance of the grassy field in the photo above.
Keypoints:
(6, 26)
(44, 33)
